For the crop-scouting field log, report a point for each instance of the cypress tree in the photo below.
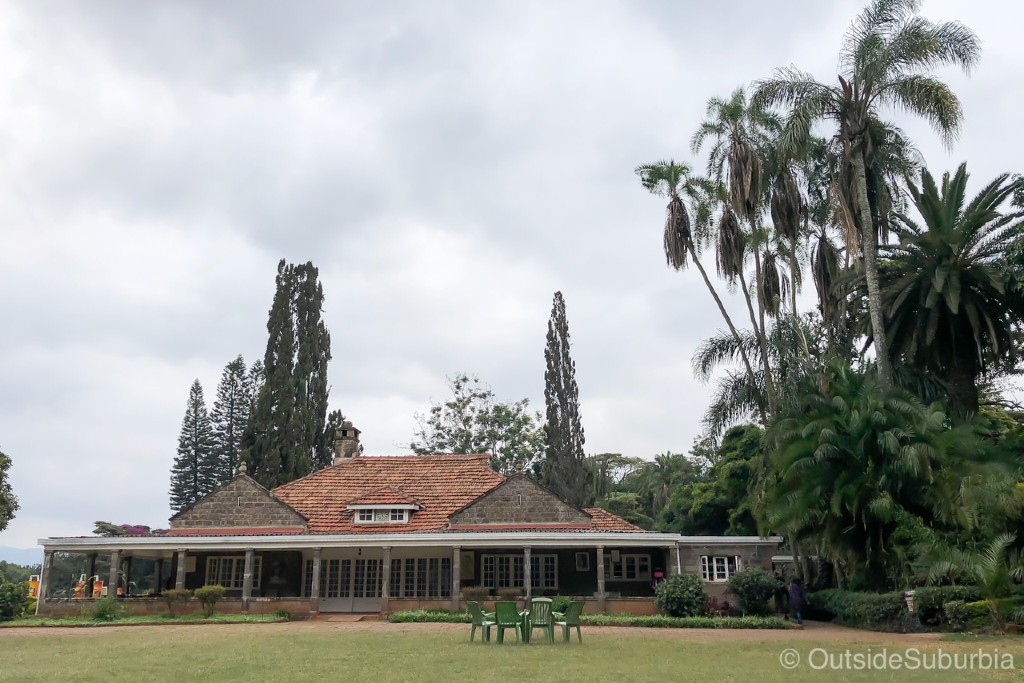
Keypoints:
(230, 415)
(564, 470)
(285, 436)
(194, 473)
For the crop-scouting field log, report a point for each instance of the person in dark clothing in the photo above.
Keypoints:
(797, 599)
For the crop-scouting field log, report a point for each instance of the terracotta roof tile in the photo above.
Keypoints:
(440, 483)
(239, 531)
(606, 521)
(384, 496)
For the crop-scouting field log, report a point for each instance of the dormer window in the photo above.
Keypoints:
(382, 515)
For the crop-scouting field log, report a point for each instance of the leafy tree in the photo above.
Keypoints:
(108, 529)
(194, 473)
(886, 60)
(565, 469)
(16, 573)
(285, 437)
(720, 503)
(629, 507)
(229, 417)
(471, 421)
(656, 480)
(8, 501)
(853, 458)
(947, 299)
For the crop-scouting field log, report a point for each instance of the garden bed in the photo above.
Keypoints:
(77, 622)
(423, 616)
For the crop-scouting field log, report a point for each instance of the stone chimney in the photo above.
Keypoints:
(346, 443)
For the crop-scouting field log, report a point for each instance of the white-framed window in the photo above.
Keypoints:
(506, 571)
(230, 571)
(717, 568)
(382, 516)
(629, 567)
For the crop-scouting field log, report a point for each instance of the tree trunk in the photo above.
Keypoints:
(762, 335)
(761, 343)
(732, 329)
(794, 269)
(869, 247)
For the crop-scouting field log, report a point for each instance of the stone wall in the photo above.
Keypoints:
(239, 503)
(751, 555)
(519, 500)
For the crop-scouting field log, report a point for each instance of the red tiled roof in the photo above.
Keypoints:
(384, 496)
(239, 531)
(440, 483)
(606, 521)
(521, 527)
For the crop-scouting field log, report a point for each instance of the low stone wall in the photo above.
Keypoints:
(633, 606)
(297, 607)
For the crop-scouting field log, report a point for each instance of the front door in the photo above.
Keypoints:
(350, 584)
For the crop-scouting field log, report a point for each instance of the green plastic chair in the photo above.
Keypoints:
(481, 620)
(506, 615)
(570, 619)
(541, 617)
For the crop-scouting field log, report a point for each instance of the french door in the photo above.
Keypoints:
(348, 585)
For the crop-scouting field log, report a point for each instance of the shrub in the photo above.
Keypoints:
(930, 601)
(876, 611)
(13, 600)
(509, 594)
(283, 614)
(561, 603)
(611, 620)
(476, 593)
(957, 614)
(681, 595)
(208, 597)
(175, 597)
(30, 607)
(754, 589)
(106, 609)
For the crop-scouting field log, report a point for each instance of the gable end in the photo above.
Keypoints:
(519, 500)
(242, 502)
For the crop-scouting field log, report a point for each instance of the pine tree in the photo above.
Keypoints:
(229, 417)
(565, 469)
(194, 473)
(285, 436)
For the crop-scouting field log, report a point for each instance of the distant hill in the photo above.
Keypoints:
(22, 556)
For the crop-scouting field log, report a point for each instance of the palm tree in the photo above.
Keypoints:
(852, 457)
(995, 569)
(738, 132)
(672, 180)
(886, 58)
(946, 300)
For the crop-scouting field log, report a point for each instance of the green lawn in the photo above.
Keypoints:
(291, 652)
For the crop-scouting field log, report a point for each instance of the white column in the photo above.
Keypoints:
(44, 580)
(115, 573)
(385, 581)
(314, 584)
(456, 578)
(179, 581)
(527, 574)
(250, 561)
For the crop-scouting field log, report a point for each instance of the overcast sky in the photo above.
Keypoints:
(447, 165)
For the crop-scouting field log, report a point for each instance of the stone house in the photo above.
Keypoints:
(383, 533)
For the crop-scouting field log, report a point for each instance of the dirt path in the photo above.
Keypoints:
(814, 632)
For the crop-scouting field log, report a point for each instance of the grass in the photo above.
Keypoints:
(35, 622)
(304, 652)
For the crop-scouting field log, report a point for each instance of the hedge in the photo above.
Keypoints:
(421, 616)
(888, 611)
